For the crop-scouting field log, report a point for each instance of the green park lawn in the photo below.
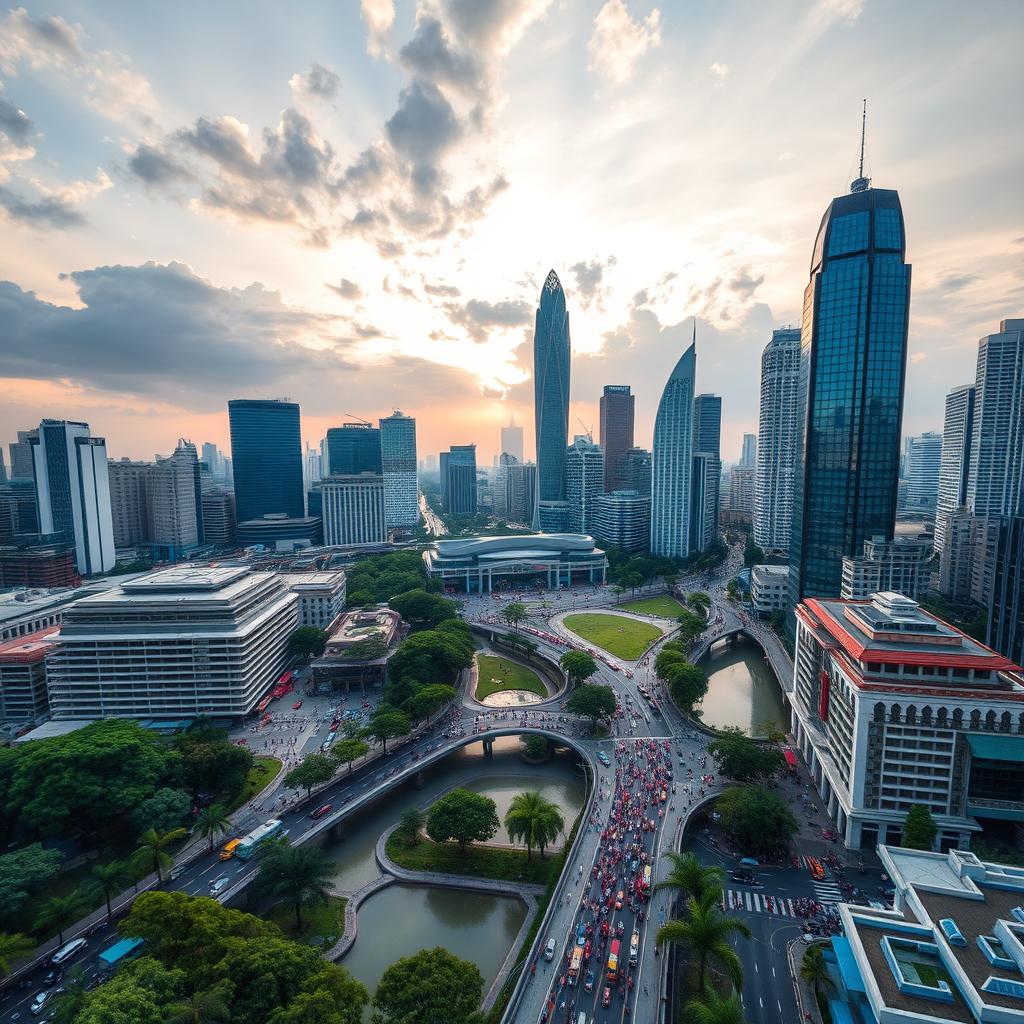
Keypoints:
(478, 862)
(618, 635)
(322, 925)
(497, 674)
(262, 773)
(666, 607)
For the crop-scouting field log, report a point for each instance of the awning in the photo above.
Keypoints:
(996, 747)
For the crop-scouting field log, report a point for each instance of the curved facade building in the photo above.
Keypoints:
(551, 401)
(672, 461)
(853, 356)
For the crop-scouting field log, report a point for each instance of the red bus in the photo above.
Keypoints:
(282, 686)
(790, 759)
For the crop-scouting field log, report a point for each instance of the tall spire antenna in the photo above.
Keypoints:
(860, 183)
(695, 332)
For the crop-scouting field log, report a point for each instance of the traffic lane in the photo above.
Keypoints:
(767, 986)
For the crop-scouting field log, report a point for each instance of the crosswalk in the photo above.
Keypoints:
(825, 893)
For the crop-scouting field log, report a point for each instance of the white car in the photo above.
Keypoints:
(42, 998)
(67, 951)
(219, 885)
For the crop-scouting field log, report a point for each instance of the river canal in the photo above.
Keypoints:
(742, 689)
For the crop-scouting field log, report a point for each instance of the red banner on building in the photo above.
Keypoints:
(823, 698)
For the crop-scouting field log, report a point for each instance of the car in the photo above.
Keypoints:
(581, 934)
(320, 812)
(588, 984)
(743, 876)
(52, 977)
(219, 885)
(297, 705)
(42, 998)
(619, 897)
(606, 996)
(603, 758)
(67, 951)
(549, 950)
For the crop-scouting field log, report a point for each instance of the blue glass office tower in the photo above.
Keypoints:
(353, 449)
(551, 403)
(266, 452)
(853, 356)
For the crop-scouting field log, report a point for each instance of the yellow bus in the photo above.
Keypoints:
(229, 849)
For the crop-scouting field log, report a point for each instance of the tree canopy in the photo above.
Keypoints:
(687, 683)
(212, 764)
(578, 666)
(382, 577)
(388, 724)
(757, 818)
(348, 750)
(533, 820)
(164, 810)
(24, 871)
(513, 614)
(919, 829)
(463, 816)
(299, 874)
(313, 770)
(307, 642)
(740, 758)
(431, 987)
(592, 701)
(425, 702)
(423, 610)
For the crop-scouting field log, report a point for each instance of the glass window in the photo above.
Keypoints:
(888, 230)
(849, 234)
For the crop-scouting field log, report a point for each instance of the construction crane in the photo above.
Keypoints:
(589, 430)
(359, 419)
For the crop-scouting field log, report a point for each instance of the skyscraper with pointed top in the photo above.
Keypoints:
(853, 355)
(551, 404)
(672, 460)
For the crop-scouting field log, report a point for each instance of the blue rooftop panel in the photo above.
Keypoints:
(847, 965)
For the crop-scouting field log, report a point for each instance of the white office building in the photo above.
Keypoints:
(769, 588)
(353, 510)
(321, 596)
(584, 481)
(73, 492)
(172, 644)
(903, 565)
(955, 461)
(398, 464)
(924, 457)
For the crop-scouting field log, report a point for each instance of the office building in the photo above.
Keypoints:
(584, 480)
(21, 455)
(707, 443)
(622, 519)
(458, 480)
(173, 644)
(638, 471)
(354, 510)
(777, 440)
(502, 492)
(956, 563)
(129, 502)
(748, 453)
(38, 565)
(742, 487)
(3, 468)
(23, 676)
(894, 708)
(266, 455)
(902, 565)
(922, 482)
(955, 460)
(769, 588)
(213, 459)
(174, 516)
(219, 516)
(18, 514)
(522, 492)
(398, 463)
(852, 370)
(672, 461)
(278, 532)
(551, 350)
(72, 492)
(312, 466)
(321, 596)
(512, 440)
(617, 412)
(354, 448)
(1006, 597)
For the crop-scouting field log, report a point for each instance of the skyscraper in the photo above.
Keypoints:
(512, 440)
(354, 510)
(638, 471)
(923, 460)
(707, 454)
(617, 413)
(748, 455)
(266, 454)
(584, 480)
(458, 479)
(172, 504)
(398, 464)
(955, 462)
(852, 371)
(128, 483)
(352, 449)
(778, 431)
(672, 461)
(551, 403)
(73, 492)
(21, 455)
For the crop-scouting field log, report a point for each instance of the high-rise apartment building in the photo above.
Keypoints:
(778, 434)
(398, 464)
(638, 471)
(707, 443)
(1006, 601)
(924, 457)
(748, 454)
(512, 440)
(458, 480)
(73, 492)
(172, 505)
(617, 411)
(584, 480)
(354, 448)
(129, 502)
(672, 461)
(354, 510)
(623, 519)
(551, 355)
(21, 455)
(852, 371)
(522, 492)
(955, 460)
(742, 485)
(219, 516)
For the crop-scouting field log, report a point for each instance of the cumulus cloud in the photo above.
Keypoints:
(719, 70)
(52, 207)
(589, 275)
(379, 16)
(318, 81)
(744, 283)
(442, 291)
(347, 289)
(478, 318)
(619, 41)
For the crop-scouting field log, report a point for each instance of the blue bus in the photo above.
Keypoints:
(247, 847)
(119, 952)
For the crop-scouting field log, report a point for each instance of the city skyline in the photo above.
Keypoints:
(98, 147)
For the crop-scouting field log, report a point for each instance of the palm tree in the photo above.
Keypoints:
(152, 849)
(691, 878)
(301, 874)
(199, 1008)
(533, 820)
(107, 880)
(714, 1009)
(58, 912)
(14, 947)
(814, 970)
(211, 821)
(706, 931)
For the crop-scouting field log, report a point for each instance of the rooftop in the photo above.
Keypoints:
(780, 572)
(186, 577)
(29, 649)
(525, 545)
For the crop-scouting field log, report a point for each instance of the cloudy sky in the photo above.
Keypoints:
(355, 205)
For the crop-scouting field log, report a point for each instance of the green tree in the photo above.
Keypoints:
(165, 809)
(689, 877)
(300, 874)
(428, 700)
(430, 987)
(137, 994)
(687, 683)
(213, 765)
(423, 610)
(58, 912)
(578, 666)
(814, 970)
(331, 996)
(14, 947)
(594, 702)
(23, 871)
(307, 642)
(72, 998)
(348, 750)
(152, 850)
(752, 554)
(513, 614)
(388, 725)
(409, 825)
(534, 821)
(757, 818)
(212, 821)
(919, 829)
(209, 1007)
(631, 580)
(312, 770)
(705, 932)
(715, 1009)
(437, 655)
(691, 625)
(535, 747)
(107, 880)
(743, 759)
(699, 601)
(463, 816)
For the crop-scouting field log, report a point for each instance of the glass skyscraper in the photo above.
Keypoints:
(398, 462)
(853, 355)
(551, 403)
(352, 449)
(266, 452)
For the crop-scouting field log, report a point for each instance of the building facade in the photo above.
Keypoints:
(902, 565)
(924, 459)
(551, 357)
(23, 695)
(584, 481)
(852, 371)
(172, 505)
(38, 565)
(512, 440)
(21, 455)
(622, 519)
(1006, 600)
(769, 589)
(321, 596)
(617, 413)
(219, 516)
(353, 510)
(778, 436)
(355, 448)
(707, 444)
(398, 462)
(748, 453)
(458, 480)
(742, 488)
(955, 460)
(638, 471)
(129, 502)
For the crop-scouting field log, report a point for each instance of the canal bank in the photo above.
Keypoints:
(743, 692)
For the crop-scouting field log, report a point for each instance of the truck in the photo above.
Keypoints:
(120, 951)
(613, 961)
(575, 963)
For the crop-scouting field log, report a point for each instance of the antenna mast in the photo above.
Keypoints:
(860, 183)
